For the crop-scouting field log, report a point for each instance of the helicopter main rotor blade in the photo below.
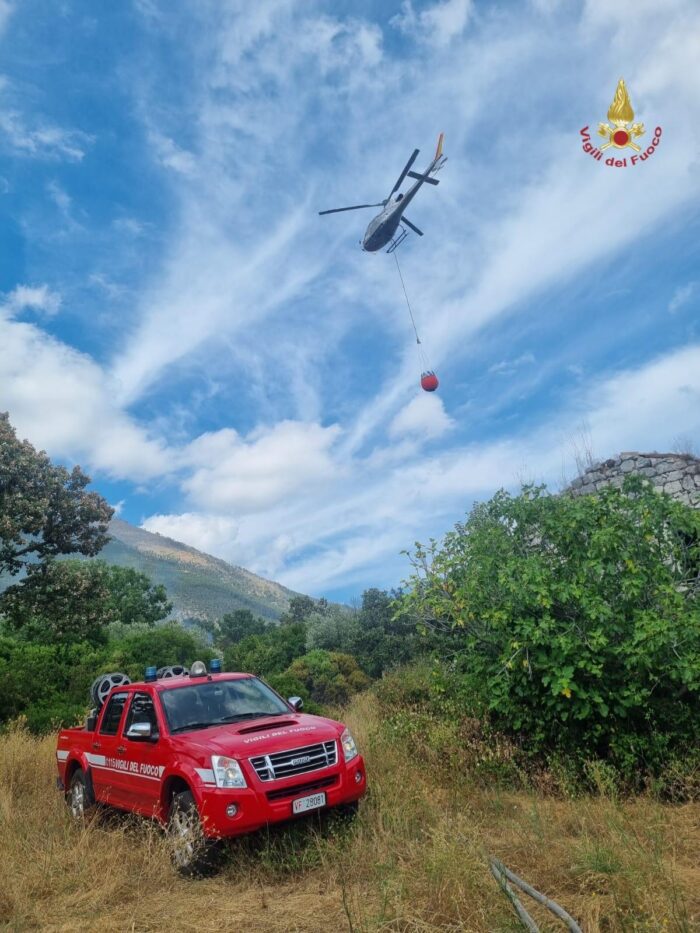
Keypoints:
(355, 207)
(405, 171)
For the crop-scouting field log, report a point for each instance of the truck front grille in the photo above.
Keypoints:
(295, 761)
(296, 790)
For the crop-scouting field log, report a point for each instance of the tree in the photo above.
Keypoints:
(270, 653)
(336, 629)
(47, 684)
(44, 509)
(162, 646)
(300, 607)
(237, 625)
(328, 676)
(579, 617)
(62, 601)
(133, 599)
(383, 640)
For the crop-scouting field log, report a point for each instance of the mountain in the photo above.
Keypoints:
(199, 586)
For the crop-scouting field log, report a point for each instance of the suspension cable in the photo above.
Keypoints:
(408, 303)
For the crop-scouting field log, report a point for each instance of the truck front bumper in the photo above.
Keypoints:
(271, 802)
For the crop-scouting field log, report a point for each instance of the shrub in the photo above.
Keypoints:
(578, 617)
(329, 676)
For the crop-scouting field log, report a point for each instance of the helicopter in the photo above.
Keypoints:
(382, 229)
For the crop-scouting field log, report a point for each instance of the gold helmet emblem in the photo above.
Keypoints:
(621, 134)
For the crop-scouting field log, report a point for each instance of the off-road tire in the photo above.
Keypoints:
(192, 854)
(79, 797)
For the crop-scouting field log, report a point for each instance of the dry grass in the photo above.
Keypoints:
(414, 860)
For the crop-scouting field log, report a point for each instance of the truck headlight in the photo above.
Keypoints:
(349, 748)
(227, 772)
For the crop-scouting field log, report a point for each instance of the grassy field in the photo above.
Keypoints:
(415, 859)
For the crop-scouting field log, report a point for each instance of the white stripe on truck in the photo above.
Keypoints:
(98, 760)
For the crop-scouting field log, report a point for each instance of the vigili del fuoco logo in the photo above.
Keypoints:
(621, 133)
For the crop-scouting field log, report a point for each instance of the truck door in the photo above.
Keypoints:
(104, 757)
(145, 754)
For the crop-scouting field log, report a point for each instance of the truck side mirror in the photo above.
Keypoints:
(296, 703)
(140, 730)
(91, 721)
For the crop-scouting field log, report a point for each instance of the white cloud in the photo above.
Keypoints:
(350, 529)
(129, 225)
(247, 475)
(438, 24)
(508, 367)
(171, 155)
(60, 399)
(339, 45)
(423, 417)
(547, 6)
(60, 198)
(681, 297)
(6, 10)
(213, 534)
(38, 298)
(43, 140)
(648, 407)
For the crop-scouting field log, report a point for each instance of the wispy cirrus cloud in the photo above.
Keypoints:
(39, 138)
(437, 24)
(5, 13)
(681, 296)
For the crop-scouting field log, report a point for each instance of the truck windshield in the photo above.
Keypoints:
(219, 702)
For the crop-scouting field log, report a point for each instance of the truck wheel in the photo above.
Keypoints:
(79, 797)
(192, 853)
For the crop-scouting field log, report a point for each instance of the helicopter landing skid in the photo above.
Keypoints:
(397, 241)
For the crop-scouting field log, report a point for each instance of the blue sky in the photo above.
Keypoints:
(232, 370)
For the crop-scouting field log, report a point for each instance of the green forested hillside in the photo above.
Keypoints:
(198, 585)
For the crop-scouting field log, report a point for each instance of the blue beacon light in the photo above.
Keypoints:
(215, 666)
(151, 674)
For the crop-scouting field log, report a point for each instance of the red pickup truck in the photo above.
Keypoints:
(208, 755)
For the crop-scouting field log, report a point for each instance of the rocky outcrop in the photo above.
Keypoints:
(675, 474)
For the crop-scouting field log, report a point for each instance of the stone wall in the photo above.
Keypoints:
(676, 474)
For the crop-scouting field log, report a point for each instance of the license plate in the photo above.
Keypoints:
(312, 802)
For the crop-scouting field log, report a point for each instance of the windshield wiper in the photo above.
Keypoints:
(220, 722)
(237, 716)
(194, 725)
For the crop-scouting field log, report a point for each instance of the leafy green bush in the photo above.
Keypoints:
(329, 676)
(46, 684)
(159, 647)
(267, 654)
(578, 617)
(234, 626)
(287, 685)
